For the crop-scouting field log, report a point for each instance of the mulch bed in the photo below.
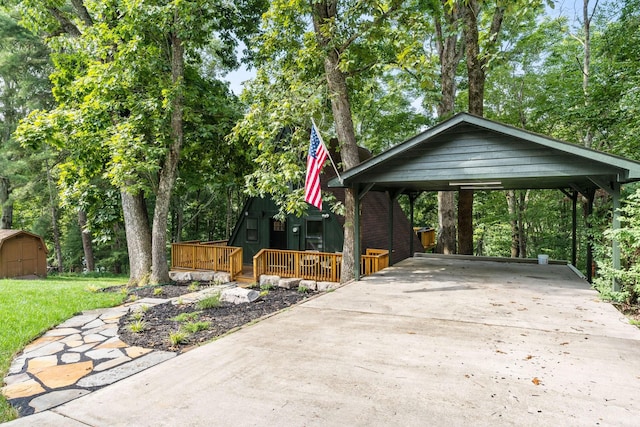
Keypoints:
(632, 312)
(159, 321)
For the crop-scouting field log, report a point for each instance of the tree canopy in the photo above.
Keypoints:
(124, 116)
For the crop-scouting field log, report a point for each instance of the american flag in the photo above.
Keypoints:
(315, 161)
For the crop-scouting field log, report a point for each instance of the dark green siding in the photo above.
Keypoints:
(473, 154)
(263, 210)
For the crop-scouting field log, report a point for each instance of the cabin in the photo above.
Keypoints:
(322, 231)
(308, 247)
(22, 254)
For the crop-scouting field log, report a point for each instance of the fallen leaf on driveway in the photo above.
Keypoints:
(536, 381)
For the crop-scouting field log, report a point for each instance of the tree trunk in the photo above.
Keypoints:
(522, 208)
(586, 65)
(476, 73)
(475, 65)
(136, 224)
(229, 214)
(178, 216)
(465, 222)
(324, 11)
(450, 54)
(53, 201)
(87, 240)
(6, 221)
(160, 267)
(446, 242)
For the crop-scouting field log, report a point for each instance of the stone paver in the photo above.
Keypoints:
(50, 371)
(81, 355)
(55, 398)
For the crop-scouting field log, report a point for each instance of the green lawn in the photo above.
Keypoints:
(28, 308)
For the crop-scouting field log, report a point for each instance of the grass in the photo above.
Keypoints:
(31, 307)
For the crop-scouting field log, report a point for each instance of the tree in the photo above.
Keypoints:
(450, 52)
(23, 87)
(300, 72)
(482, 24)
(120, 87)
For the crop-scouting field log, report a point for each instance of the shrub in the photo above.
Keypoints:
(193, 327)
(210, 302)
(186, 317)
(178, 337)
(137, 326)
(628, 236)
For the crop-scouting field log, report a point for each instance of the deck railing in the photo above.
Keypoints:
(214, 256)
(310, 265)
(374, 261)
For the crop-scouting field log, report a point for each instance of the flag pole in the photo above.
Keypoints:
(328, 152)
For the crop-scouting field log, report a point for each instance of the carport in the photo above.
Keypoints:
(468, 152)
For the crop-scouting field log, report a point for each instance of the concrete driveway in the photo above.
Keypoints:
(431, 341)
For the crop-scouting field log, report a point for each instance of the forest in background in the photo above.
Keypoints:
(116, 114)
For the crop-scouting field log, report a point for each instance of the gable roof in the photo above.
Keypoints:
(7, 234)
(470, 152)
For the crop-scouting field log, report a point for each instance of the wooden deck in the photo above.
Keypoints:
(308, 265)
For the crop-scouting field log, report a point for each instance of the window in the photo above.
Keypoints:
(313, 238)
(279, 226)
(252, 229)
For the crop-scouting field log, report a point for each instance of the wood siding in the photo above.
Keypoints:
(470, 153)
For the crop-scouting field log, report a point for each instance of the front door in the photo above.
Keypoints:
(277, 234)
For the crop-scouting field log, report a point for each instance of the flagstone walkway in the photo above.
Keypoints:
(79, 356)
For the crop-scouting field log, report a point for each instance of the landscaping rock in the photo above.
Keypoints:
(180, 276)
(239, 295)
(325, 286)
(289, 283)
(312, 285)
(221, 277)
(203, 276)
(269, 280)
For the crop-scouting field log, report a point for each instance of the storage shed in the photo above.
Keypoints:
(22, 254)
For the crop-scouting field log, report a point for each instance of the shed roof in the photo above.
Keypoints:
(470, 152)
(7, 234)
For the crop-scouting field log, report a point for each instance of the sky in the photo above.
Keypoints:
(238, 77)
(572, 9)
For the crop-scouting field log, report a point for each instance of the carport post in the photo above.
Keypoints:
(356, 237)
(392, 198)
(574, 234)
(412, 202)
(390, 226)
(616, 226)
(589, 194)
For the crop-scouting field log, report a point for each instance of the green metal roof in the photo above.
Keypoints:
(470, 152)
